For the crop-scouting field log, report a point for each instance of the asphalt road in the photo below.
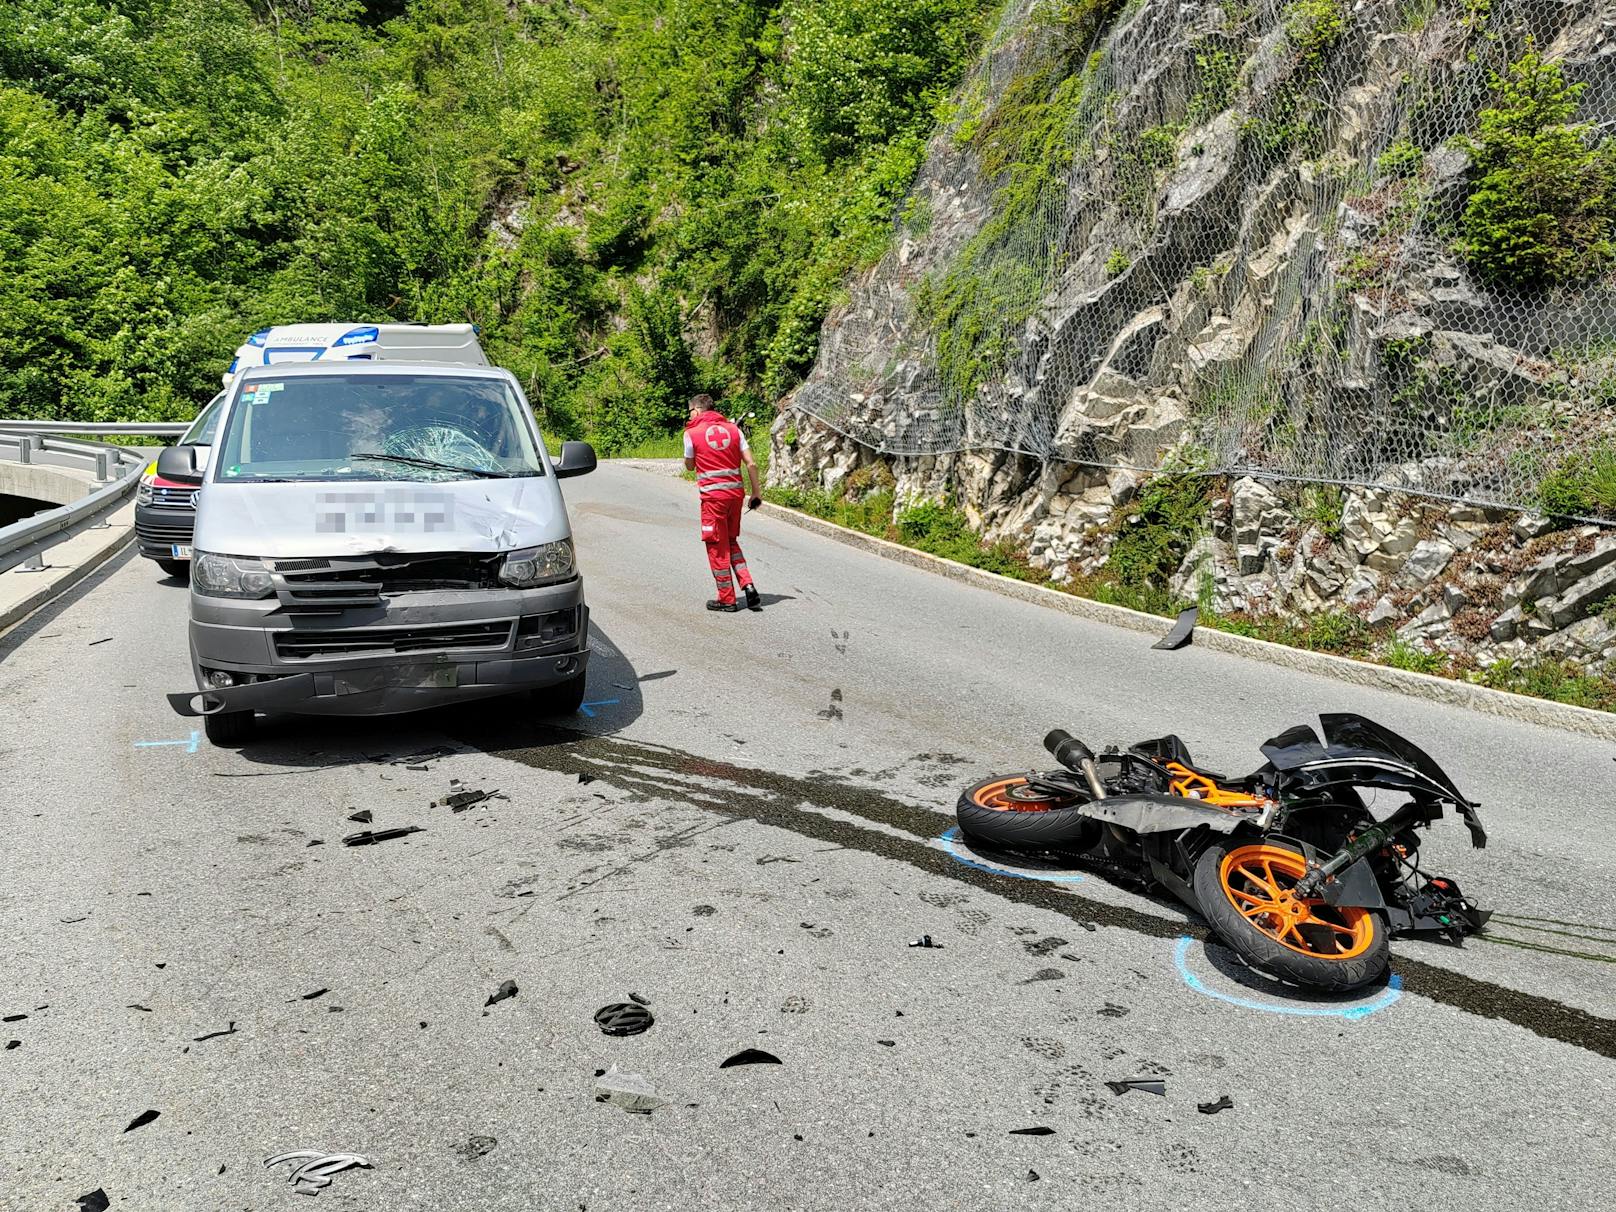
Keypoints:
(761, 837)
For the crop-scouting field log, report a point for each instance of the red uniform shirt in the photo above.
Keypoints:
(718, 446)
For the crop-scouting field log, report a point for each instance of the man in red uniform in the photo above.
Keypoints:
(715, 449)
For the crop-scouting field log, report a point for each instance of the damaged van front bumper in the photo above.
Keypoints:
(413, 652)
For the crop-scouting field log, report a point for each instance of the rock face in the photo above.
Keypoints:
(1250, 269)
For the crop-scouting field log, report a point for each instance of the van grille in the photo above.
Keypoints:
(313, 645)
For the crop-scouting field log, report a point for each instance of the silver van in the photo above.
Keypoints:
(380, 538)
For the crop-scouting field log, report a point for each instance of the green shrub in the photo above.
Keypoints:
(1313, 28)
(1549, 679)
(1584, 485)
(1401, 159)
(1116, 262)
(1543, 195)
(1157, 529)
(1400, 654)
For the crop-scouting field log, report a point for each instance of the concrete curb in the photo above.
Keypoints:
(67, 563)
(1598, 724)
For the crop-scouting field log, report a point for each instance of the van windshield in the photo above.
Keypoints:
(376, 427)
(201, 431)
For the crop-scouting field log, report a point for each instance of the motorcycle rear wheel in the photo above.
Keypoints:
(1244, 892)
(1007, 812)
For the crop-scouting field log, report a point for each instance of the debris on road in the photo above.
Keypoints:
(586, 779)
(95, 1201)
(461, 798)
(629, 1091)
(363, 816)
(319, 841)
(317, 1168)
(704, 910)
(1039, 1131)
(635, 997)
(68, 921)
(102, 640)
(419, 761)
(13, 1043)
(751, 1056)
(1145, 1085)
(477, 1146)
(1032, 1176)
(13, 1018)
(887, 1043)
(1182, 631)
(505, 990)
(925, 941)
(366, 837)
(230, 1030)
(776, 858)
(309, 997)
(1224, 1103)
(141, 1120)
(623, 1018)
(138, 1006)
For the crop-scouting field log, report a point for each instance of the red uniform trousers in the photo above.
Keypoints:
(720, 530)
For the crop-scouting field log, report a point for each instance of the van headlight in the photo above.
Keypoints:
(533, 566)
(222, 576)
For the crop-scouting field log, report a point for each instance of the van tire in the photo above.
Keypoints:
(229, 728)
(564, 698)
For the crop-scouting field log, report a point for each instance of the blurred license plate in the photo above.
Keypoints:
(180, 553)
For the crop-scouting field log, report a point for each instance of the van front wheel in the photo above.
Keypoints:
(564, 698)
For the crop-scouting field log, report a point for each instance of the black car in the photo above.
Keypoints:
(165, 506)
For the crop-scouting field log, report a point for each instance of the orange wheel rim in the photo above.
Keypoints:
(1001, 795)
(1260, 881)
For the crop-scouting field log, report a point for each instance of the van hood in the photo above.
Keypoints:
(331, 518)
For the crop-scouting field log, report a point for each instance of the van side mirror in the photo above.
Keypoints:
(178, 463)
(577, 459)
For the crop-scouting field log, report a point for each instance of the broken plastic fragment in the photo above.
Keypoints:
(95, 1201)
(1032, 1176)
(366, 837)
(13, 1018)
(230, 1030)
(505, 990)
(623, 1018)
(635, 997)
(1182, 631)
(751, 1056)
(477, 1146)
(925, 941)
(13, 1043)
(363, 816)
(141, 1120)
(1225, 1103)
(309, 997)
(459, 801)
(1038, 1131)
(629, 1091)
(1145, 1085)
(887, 1043)
(586, 778)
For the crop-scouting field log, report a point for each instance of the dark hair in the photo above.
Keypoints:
(703, 401)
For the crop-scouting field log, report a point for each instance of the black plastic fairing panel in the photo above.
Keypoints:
(1294, 747)
(1343, 731)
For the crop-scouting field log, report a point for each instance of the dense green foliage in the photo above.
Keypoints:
(1542, 207)
(633, 198)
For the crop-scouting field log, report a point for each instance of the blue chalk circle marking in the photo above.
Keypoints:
(950, 839)
(190, 745)
(589, 708)
(1392, 992)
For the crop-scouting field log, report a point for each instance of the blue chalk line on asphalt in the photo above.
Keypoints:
(1393, 991)
(951, 843)
(190, 745)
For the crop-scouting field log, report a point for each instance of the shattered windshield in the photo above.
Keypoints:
(377, 427)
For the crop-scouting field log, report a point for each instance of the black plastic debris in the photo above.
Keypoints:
(477, 1146)
(506, 989)
(925, 941)
(309, 997)
(221, 1169)
(141, 1120)
(751, 1056)
(704, 910)
(68, 921)
(138, 1006)
(635, 997)
(586, 779)
(460, 801)
(1032, 1176)
(420, 759)
(1090, 927)
(367, 837)
(363, 816)
(1182, 631)
(230, 1030)
(887, 1043)
(13, 1018)
(104, 639)
(319, 841)
(1225, 1103)
(13, 1043)
(623, 1018)
(95, 1201)
(1145, 1085)
(1039, 1131)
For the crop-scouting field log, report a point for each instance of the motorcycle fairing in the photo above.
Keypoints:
(1146, 814)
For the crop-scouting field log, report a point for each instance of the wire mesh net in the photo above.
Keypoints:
(1243, 238)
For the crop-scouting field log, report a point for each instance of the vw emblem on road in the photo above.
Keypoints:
(717, 437)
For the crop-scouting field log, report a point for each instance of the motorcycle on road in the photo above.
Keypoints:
(1288, 865)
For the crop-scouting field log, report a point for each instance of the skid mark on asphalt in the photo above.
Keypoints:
(658, 772)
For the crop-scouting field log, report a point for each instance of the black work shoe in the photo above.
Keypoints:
(726, 607)
(753, 602)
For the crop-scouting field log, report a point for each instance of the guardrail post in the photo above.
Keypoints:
(34, 563)
(25, 449)
(101, 468)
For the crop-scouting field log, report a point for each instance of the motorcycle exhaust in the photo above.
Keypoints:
(1075, 755)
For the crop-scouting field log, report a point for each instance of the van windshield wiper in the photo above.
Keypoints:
(483, 472)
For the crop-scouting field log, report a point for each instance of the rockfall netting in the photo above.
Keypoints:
(1315, 241)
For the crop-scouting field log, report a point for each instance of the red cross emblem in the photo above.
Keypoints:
(717, 437)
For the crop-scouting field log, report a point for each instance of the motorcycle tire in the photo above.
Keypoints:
(1005, 813)
(1242, 888)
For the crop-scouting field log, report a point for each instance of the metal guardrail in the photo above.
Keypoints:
(116, 468)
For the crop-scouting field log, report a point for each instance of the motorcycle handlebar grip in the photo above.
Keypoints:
(1067, 749)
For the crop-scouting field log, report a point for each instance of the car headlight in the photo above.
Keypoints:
(542, 565)
(143, 494)
(222, 576)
